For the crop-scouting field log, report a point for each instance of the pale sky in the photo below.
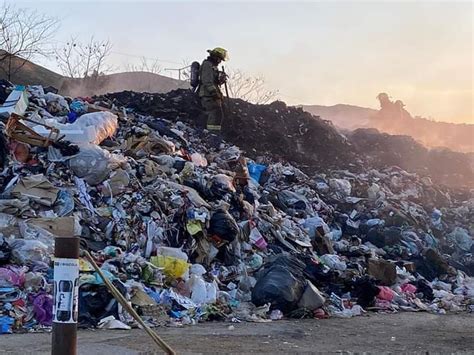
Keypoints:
(325, 53)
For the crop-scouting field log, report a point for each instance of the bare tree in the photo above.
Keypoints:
(249, 88)
(100, 52)
(83, 60)
(69, 60)
(24, 35)
(146, 65)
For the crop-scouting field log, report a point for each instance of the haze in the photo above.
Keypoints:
(313, 52)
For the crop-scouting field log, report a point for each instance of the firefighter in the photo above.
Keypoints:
(210, 80)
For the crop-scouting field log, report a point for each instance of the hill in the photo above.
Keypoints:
(342, 115)
(133, 81)
(34, 74)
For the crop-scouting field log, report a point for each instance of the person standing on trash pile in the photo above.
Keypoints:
(210, 80)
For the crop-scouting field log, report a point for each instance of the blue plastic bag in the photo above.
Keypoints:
(256, 170)
(6, 324)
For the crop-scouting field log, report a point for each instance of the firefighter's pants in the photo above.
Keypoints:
(213, 110)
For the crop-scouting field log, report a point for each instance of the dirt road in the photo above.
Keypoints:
(403, 332)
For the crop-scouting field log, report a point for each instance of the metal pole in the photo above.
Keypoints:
(66, 275)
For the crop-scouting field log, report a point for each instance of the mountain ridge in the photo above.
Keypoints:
(35, 74)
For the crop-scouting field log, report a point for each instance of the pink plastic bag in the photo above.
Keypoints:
(12, 276)
(408, 288)
(256, 238)
(385, 293)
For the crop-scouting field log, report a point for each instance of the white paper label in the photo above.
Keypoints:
(66, 290)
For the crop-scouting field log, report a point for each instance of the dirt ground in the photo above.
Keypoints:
(379, 333)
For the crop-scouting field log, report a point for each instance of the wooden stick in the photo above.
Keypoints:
(119, 297)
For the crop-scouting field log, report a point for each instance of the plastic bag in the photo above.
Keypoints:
(288, 199)
(6, 324)
(256, 238)
(197, 269)
(12, 276)
(221, 184)
(374, 192)
(256, 170)
(25, 251)
(255, 262)
(198, 289)
(89, 128)
(223, 225)
(230, 154)
(30, 231)
(461, 238)
(198, 159)
(281, 283)
(341, 186)
(94, 164)
(43, 308)
(311, 298)
(334, 262)
(385, 293)
(104, 123)
(78, 106)
(5, 251)
(173, 252)
(212, 290)
(312, 223)
(7, 220)
(57, 105)
(35, 91)
(64, 203)
(172, 267)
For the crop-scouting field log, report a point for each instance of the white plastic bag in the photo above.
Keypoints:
(94, 164)
(26, 251)
(91, 164)
(89, 128)
(333, 262)
(341, 186)
(57, 105)
(173, 252)
(198, 289)
(105, 124)
(212, 290)
(197, 269)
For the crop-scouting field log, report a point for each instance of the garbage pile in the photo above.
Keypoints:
(190, 233)
(286, 133)
(445, 166)
(292, 135)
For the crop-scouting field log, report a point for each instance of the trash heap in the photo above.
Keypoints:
(190, 233)
(291, 135)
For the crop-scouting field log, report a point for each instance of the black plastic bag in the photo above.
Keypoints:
(365, 289)
(5, 251)
(281, 283)
(224, 226)
(96, 302)
(286, 200)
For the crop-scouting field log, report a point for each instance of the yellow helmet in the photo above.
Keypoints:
(219, 53)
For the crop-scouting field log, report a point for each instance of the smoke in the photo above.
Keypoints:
(393, 118)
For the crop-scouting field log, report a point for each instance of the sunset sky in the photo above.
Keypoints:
(325, 53)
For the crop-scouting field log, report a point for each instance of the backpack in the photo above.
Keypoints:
(194, 75)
